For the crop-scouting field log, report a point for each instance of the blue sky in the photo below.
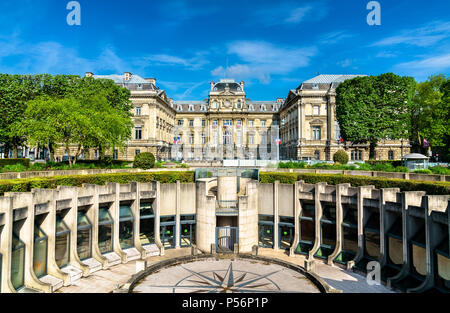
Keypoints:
(272, 45)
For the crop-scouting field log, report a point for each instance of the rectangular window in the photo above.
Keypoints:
(250, 123)
(316, 110)
(191, 139)
(138, 133)
(203, 123)
(251, 139)
(203, 139)
(126, 226)
(62, 242)
(263, 123)
(115, 154)
(84, 235)
(147, 226)
(105, 230)
(191, 123)
(137, 152)
(180, 122)
(138, 111)
(316, 132)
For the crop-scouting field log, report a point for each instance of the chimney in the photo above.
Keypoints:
(89, 74)
(212, 85)
(242, 85)
(151, 80)
(127, 76)
(280, 100)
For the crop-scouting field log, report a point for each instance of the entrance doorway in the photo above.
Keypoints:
(227, 233)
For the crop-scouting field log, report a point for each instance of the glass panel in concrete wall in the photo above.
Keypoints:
(126, 227)
(327, 231)
(372, 235)
(84, 236)
(17, 257)
(265, 231)
(286, 232)
(62, 242)
(40, 248)
(105, 231)
(147, 225)
(167, 233)
(349, 234)
(187, 236)
(443, 264)
(307, 227)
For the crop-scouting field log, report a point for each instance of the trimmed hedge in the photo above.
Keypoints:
(431, 188)
(340, 157)
(394, 163)
(25, 185)
(24, 162)
(144, 160)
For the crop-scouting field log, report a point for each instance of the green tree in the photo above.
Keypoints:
(374, 108)
(15, 92)
(430, 115)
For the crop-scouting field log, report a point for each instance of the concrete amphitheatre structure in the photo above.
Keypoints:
(53, 239)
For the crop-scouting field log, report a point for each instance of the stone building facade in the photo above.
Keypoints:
(309, 129)
(229, 125)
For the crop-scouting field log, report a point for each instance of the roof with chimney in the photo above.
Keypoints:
(224, 83)
(135, 82)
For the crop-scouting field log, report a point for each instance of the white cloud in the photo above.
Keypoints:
(426, 66)
(425, 36)
(335, 37)
(386, 54)
(260, 60)
(290, 13)
(17, 56)
(194, 63)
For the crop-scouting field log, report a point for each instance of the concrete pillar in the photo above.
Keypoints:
(276, 240)
(92, 215)
(6, 208)
(297, 210)
(341, 189)
(227, 188)
(27, 236)
(177, 217)
(409, 198)
(115, 213)
(386, 195)
(248, 218)
(319, 188)
(363, 192)
(157, 208)
(48, 226)
(136, 209)
(71, 219)
(432, 238)
(206, 218)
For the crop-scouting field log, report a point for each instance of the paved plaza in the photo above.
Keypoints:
(284, 280)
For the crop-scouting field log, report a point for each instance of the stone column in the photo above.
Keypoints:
(363, 192)
(157, 208)
(341, 189)
(48, 226)
(386, 195)
(409, 229)
(92, 214)
(206, 218)
(27, 236)
(248, 218)
(297, 210)
(319, 188)
(276, 245)
(178, 218)
(6, 207)
(115, 212)
(136, 209)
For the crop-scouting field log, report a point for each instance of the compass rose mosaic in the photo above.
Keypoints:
(225, 276)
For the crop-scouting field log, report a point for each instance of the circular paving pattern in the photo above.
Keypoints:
(225, 276)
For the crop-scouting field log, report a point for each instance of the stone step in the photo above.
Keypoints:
(28, 290)
(93, 264)
(74, 273)
(56, 283)
(113, 258)
(151, 250)
(132, 254)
